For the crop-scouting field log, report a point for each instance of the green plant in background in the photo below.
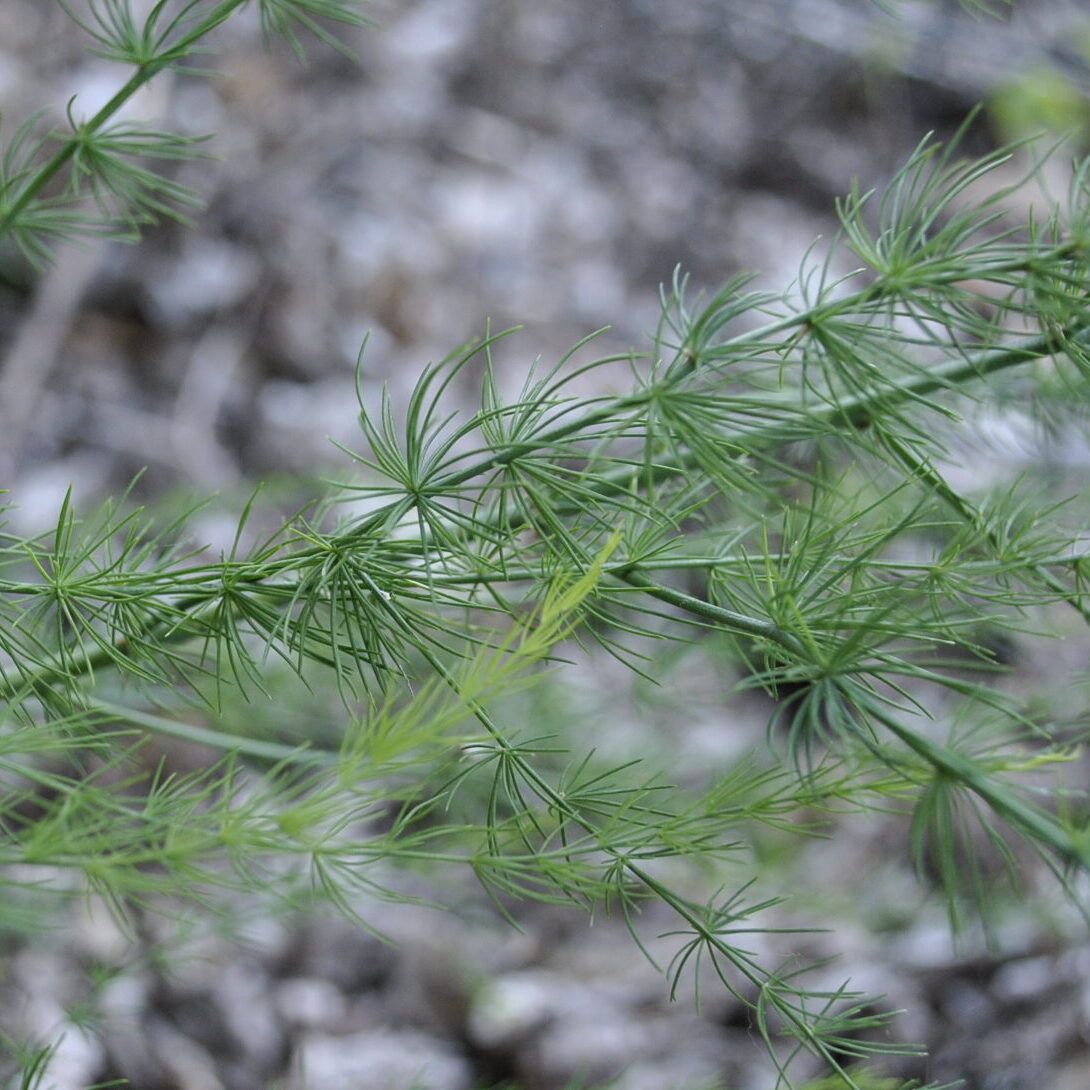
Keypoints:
(866, 1081)
(773, 474)
(1040, 100)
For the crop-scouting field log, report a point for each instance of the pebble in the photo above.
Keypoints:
(208, 275)
(508, 1009)
(185, 1063)
(309, 1002)
(76, 1061)
(242, 994)
(384, 1059)
(334, 950)
(595, 1048)
(1026, 980)
(98, 934)
(678, 1072)
(966, 1006)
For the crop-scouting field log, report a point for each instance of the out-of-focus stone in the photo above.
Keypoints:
(299, 419)
(926, 945)
(516, 1005)
(98, 934)
(1025, 980)
(965, 1005)
(185, 1063)
(242, 994)
(208, 275)
(1074, 1074)
(597, 1047)
(379, 1060)
(310, 1003)
(76, 1061)
(681, 1071)
(334, 950)
(40, 492)
(558, 1028)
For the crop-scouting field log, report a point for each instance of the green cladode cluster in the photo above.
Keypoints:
(772, 474)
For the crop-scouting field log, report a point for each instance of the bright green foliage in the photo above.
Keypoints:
(1041, 100)
(773, 475)
(865, 1081)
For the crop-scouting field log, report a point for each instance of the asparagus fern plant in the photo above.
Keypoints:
(773, 474)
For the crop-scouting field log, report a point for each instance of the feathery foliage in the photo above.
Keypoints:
(773, 474)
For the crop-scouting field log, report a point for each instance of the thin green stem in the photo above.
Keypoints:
(144, 73)
(737, 623)
(684, 909)
(1038, 825)
(1035, 824)
(214, 739)
(924, 471)
(855, 411)
(208, 577)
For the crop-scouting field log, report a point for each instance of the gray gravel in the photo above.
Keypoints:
(543, 164)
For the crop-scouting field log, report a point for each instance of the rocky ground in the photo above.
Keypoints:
(540, 164)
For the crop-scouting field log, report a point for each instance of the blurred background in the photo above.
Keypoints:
(493, 163)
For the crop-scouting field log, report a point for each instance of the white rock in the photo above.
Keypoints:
(309, 1002)
(76, 1061)
(1024, 979)
(242, 995)
(187, 1063)
(593, 1048)
(677, 1072)
(98, 934)
(428, 34)
(207, 276)
(512, 1007)
(124, 999)
(379, 1060)
(39, 493)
